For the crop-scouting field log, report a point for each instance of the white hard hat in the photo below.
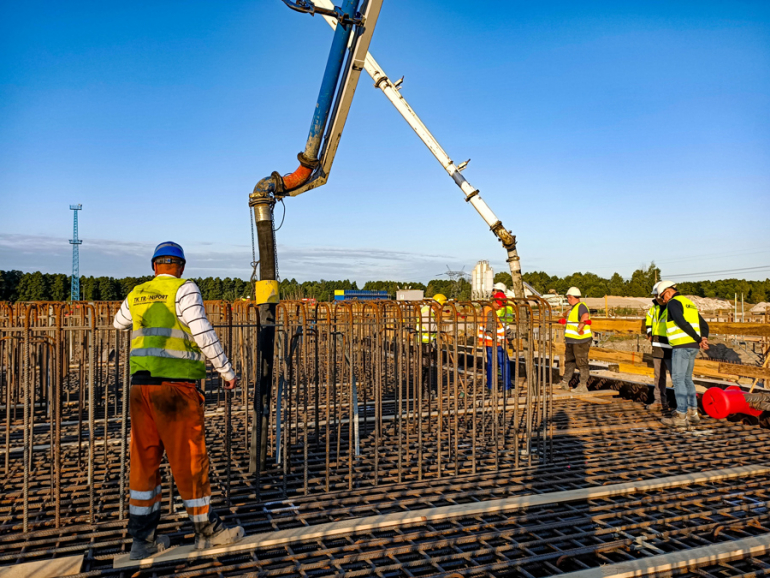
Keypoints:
(499, 287)
(663, 285)
(655, 288)
(574, 291)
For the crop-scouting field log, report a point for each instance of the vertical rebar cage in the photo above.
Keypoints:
(365, 395)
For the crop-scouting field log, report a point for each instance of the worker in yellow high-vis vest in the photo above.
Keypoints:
(577, 341)
(171, 339)
(687, 332)
(655, 325)
(428, 329)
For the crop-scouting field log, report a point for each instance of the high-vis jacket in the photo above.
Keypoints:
(427, 324)
(571, 334)
(488, 339)
(656, 322)
(676, 335)
(506, 314)
(161, 344)
(191, 313)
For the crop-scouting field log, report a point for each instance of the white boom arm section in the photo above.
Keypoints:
(472, 196)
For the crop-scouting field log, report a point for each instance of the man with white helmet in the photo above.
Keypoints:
(687, 332)
(577, 341)
(661, 351)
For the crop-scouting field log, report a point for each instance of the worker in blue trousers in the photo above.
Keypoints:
(491, 334)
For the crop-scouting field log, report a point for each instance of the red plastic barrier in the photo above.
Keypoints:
(719, 403)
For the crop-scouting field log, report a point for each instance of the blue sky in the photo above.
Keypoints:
(605, 135)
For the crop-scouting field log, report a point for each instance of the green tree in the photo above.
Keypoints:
(108, 289)
(59, 287)
(642, 281)
(616, 285)
(33, 287)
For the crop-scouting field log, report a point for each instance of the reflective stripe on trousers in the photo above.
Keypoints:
(167, 417)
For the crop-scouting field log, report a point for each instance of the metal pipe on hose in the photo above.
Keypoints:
(308, 159)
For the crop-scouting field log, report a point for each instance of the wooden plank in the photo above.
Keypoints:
(745, 370)
(369, 523)
(619, 325)
(636, 369)
(577, 431)
(596, 400)
(68, 566)
(748, 329)
(593, 394)
(715, 328)
(664, 564)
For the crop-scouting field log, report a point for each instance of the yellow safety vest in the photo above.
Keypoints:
(484, 338)
(674, 333)
(506, 314)
(571, 329)
(656, 322)
(427, 324)
(160, 343)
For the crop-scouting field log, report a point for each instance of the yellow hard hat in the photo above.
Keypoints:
(440, 298)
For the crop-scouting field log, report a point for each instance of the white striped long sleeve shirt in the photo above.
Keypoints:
(191, 312)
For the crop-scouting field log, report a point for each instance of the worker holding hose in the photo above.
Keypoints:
(170, 340)
(577, 341)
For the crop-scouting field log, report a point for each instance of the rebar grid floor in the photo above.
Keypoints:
(594, 445)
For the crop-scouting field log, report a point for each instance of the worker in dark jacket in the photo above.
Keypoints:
(687, 332)
(661, 351)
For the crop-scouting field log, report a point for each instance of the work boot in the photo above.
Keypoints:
(563, 385)
(221, 536)
(677, 420)
(581, 388)
(141, 549)
(654, 406)
(692, 415)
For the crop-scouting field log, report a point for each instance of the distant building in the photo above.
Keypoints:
(358, 295)
(410, 295)
(482, 280)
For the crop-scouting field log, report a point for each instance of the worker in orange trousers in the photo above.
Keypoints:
(170, 340)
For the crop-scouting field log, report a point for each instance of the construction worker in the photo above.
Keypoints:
(491, 334)
(428, 331)
(170, 340)
(577, 341)
(655, 324)
(687, 332)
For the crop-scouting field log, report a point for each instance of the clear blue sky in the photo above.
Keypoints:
(603, 134)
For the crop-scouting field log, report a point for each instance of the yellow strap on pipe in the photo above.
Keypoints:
(266, 292)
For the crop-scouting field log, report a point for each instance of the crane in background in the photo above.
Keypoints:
(353, 29)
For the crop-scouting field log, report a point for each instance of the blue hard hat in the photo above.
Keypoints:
(168, 249)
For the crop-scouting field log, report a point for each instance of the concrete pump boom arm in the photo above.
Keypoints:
(472, 196)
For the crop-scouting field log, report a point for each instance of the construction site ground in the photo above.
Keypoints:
(599, 443)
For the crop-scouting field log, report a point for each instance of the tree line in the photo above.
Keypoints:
(18, 286)
(640, 285)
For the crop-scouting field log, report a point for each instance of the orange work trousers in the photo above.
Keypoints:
(167, 417)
